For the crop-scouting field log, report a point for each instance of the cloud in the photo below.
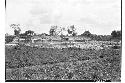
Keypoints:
(62, 11)
(100, 13)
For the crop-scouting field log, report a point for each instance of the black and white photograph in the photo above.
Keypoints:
(63, 40)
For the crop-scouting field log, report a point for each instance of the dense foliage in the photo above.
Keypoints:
(116, 34)
(86, 33)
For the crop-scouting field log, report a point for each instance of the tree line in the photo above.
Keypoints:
(58, 31)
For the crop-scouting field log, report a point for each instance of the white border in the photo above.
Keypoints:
(2, 38)
(123, 43)
(2, 55)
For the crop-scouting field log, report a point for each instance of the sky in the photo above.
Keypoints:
(100, 17)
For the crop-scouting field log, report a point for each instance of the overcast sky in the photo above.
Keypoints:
(97, 16)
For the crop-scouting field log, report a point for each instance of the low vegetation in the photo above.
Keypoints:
(97, 57)
(34, 63)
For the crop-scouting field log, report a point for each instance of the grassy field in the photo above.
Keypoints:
(35, 63)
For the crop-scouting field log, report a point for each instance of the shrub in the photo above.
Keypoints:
(9, 39)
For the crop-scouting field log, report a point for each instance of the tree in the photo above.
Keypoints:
(86, 33)
(119, 33)
(29, 32)
(27, 35)
(16, 32)
(116, 34)
(72, 31)
(61, 30)
(52, 31)
(43, 34)
(74, 34)
(16, 28)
